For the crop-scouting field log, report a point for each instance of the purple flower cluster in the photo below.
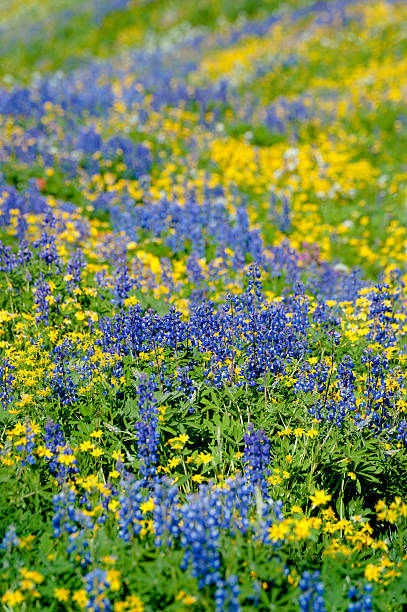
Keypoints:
(256, 458)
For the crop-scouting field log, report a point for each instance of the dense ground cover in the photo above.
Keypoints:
(202, 308)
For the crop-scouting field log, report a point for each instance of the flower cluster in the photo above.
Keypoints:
(203, 314)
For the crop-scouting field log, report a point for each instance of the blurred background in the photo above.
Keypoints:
(296, 110)
(42, 35)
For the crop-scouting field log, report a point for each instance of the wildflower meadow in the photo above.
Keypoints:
(203, 315)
